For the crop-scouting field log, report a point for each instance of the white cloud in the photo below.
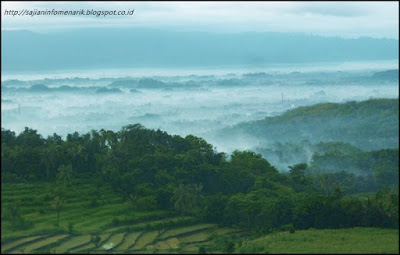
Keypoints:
(347, 19)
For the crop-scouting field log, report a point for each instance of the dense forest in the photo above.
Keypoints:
(154, 170)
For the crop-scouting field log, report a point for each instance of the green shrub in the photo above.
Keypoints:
(93, 203)
(21, 224)
(115, 222)
(202, 250)
(288, 227)
(146, 203)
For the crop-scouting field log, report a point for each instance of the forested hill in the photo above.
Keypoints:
(369, 125)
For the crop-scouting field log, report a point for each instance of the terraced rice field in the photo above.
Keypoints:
(35, 207)
(173, 242)
(183, 230)
(180, 238)
(42, 243)
(162, 245)
(128, 241)
(14, 244)
(113, 241)
(144, 224)
(197, 237)
(72, 243)
(139, 236)
(83, 249)
(145, 239)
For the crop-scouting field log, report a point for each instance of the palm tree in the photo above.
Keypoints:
(64, 174)
(197, 188)
(57, 204)
(198, 197)
(49, 158)
(76, 152)
(183, 198)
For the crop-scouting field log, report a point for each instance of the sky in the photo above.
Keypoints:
(342, 19)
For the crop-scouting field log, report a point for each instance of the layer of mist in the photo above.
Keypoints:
(201, 105)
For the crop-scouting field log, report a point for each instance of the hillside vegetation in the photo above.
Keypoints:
(368, 125)
(141, 190)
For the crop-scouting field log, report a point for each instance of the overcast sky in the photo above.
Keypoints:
(344, 19)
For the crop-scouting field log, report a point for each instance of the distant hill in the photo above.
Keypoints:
(390, 75)
(369, 125)
(123, 47)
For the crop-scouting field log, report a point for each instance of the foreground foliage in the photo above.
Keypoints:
(345, 241)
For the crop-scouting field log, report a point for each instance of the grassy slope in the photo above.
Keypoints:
(45, 236)
(174, 240)
(354, 240)
(86, 219)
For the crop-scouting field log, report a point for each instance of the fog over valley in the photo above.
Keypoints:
(136, 127)
(201, 105)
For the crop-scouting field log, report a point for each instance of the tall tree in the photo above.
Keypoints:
(57, 204)
(183, 198)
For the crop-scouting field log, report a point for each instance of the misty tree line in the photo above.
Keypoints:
(154, 170)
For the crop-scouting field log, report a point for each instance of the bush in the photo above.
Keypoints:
(21, 224)
(115, 222)
(288, 227)
(229, 246)
(47, 197)
(202, 250)
(146, 203)
(93, 203)
(11, 178)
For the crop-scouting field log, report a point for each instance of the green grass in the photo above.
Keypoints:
(173, 242)
(198, 237)
(47, 241)
(145, 239)
(191, 248)
(104, 237)
(84, 249)
(129, 240)
(146, 223)
(162, 245)
(71, 243)
(182, 230)
(86, 220)
(12, 244)
(185, 237)
(115, 239)
(354, 240)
